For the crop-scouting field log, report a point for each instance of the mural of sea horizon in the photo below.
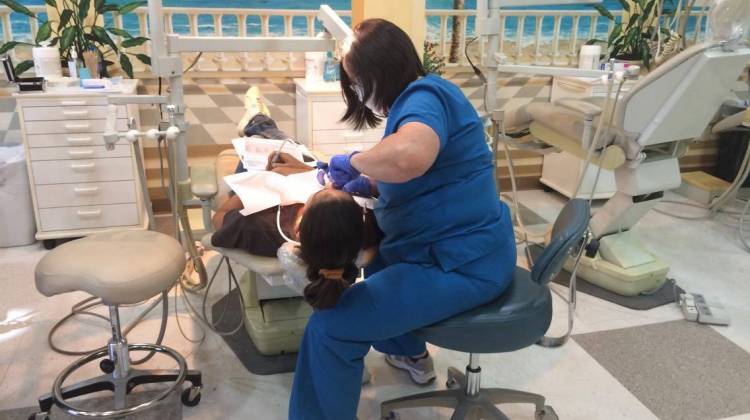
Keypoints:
(230, 25)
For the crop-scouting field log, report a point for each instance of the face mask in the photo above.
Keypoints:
(370, 102)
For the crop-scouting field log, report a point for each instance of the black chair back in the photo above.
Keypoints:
(567, 233)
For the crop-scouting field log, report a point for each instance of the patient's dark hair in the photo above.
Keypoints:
(383, 61)
(331, 234)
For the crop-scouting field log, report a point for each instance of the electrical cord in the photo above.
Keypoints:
(82, 308)
(195, 61)
(477, 71)
(743, 237)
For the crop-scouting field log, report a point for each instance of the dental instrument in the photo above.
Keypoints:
(278, 152)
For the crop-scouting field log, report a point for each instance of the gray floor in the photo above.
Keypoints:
(169, 409)
(680, 370)
(605, 373)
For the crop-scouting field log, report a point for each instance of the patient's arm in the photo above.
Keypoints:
(233, 203)
(286, 164)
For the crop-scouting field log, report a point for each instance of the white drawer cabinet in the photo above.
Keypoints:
(319, 109)
(53, 113)
(82, 170)
(93, 152)
(87, 217)
(86, 194)
(78, 187)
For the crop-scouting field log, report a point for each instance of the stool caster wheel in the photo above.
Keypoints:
(548, 413)
(39, 416)
(451, 384)
(191, 396)
(391, 416)
(49, 244)
(107, 366)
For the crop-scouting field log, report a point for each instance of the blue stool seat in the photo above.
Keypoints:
(515, 320)
(523, 313)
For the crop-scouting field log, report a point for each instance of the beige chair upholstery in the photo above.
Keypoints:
(226, 164)
(266, 266)
(120, 267)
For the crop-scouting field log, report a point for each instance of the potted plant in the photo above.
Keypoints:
(632, 40)
(75, 30)
(433, 62)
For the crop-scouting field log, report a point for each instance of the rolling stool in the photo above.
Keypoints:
(515, 320)
(120, 268)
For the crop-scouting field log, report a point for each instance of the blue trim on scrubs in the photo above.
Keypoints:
(448, 247)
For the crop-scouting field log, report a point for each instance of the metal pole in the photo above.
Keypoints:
(490, 10)
(118, 346)
(473, 376)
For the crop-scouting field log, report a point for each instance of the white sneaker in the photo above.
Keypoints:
(253, 106)
(422, 371)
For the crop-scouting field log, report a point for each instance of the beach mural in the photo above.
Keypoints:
(276, 23)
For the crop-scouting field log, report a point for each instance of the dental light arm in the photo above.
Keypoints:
(334, 24)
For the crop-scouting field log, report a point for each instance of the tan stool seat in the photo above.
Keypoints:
(267, 266)
(120, 267)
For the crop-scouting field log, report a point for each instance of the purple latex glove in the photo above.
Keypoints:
(322, 172)
(360, 186)
(341, 171)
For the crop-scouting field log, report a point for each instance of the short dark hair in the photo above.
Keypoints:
(383, 61)
(331, 234)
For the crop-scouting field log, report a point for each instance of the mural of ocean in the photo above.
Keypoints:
(276, 24)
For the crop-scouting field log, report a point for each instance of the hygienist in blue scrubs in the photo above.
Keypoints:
(448, 240)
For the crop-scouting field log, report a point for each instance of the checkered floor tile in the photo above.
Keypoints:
(215, 105)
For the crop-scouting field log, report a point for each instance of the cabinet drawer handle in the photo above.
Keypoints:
(73, 103)
(86, 190)
(89, 214)
(75, 127)
(79, 153)
(81, 113)
(79, 140)
(82, 167)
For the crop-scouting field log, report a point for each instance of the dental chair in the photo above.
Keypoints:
(651, 125)
(275, 316)
(120, 268)
(516, 320)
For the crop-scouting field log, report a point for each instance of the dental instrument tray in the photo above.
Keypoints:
(25, 84)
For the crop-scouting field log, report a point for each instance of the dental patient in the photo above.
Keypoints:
(336, 235)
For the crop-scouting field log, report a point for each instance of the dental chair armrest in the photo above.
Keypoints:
(203, 181)
(586, 108)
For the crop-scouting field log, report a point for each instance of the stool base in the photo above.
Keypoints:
(122, 386)
(481, 405)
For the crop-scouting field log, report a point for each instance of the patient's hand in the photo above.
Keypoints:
(286, 164)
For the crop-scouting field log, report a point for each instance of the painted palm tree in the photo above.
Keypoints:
(457, 29)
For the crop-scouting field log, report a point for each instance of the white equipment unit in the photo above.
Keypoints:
(561, 172)
(320, 107)
(78, 187)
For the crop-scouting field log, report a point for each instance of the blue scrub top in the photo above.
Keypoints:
(451, 215)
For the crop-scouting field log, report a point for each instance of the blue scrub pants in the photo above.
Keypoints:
(380, 312)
